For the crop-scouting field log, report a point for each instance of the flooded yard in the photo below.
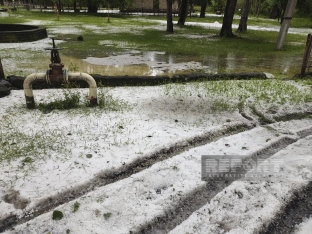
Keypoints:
(132, 59)
(150, 63)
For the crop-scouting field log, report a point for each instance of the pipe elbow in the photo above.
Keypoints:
(83, 76)
(32, 78)
(91, 82)
(27, 85)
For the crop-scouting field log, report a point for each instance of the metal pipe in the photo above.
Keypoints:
(91, 82)
(30, 102)
(1, 71)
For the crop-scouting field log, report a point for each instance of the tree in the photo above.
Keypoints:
(242, 27)
(305, 7)
(169, 16)
(93, 6)
(226, 30)
(58, 5)
(203, 7)
(258, 7)
(75, 5)
(183, 12)
(218, 6)
(289, 11)
(156, 6)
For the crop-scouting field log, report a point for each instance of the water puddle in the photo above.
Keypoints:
(160, 63)
(153, 63)
(26, 58)
(147, 63)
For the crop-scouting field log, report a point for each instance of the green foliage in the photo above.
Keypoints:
(76, 206)
(107, 216)
(267, 6)
(219, 96)
(57, 215)
(218, 5)
(73, 67)
(28, 160)
(107, 102)
(304, 7)
(71, 100)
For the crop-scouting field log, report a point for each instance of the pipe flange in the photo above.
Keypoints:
(65, 76)
(47, 77)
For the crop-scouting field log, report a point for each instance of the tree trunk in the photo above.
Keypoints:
(242, 27)
(290, 8)
(58, 6)
(258, 8)
(191, 4)
(156, 6)
(203, 9)
(283, 6)
(183, 12)
(92, 8)
(226, 30)
(75, 5)
(169, 16)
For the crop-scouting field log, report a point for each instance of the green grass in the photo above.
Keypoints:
(15, 144)
(300, 22)
(260, 43)
(218, 96)
(76, 206)
(34, 145)
(252, 50)
(73, 99)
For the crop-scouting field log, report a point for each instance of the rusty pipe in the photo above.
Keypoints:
(30, 102)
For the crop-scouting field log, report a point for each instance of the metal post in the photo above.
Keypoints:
(1, 71)
(291, 5)
(306, 55)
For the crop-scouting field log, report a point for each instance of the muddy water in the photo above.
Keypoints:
(147, 63)
(159, 63)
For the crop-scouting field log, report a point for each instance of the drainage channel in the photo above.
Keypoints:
(114, 176)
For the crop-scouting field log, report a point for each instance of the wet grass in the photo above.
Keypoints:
(74, 99)
(255, 50)
(218, 96)
(16, 144)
